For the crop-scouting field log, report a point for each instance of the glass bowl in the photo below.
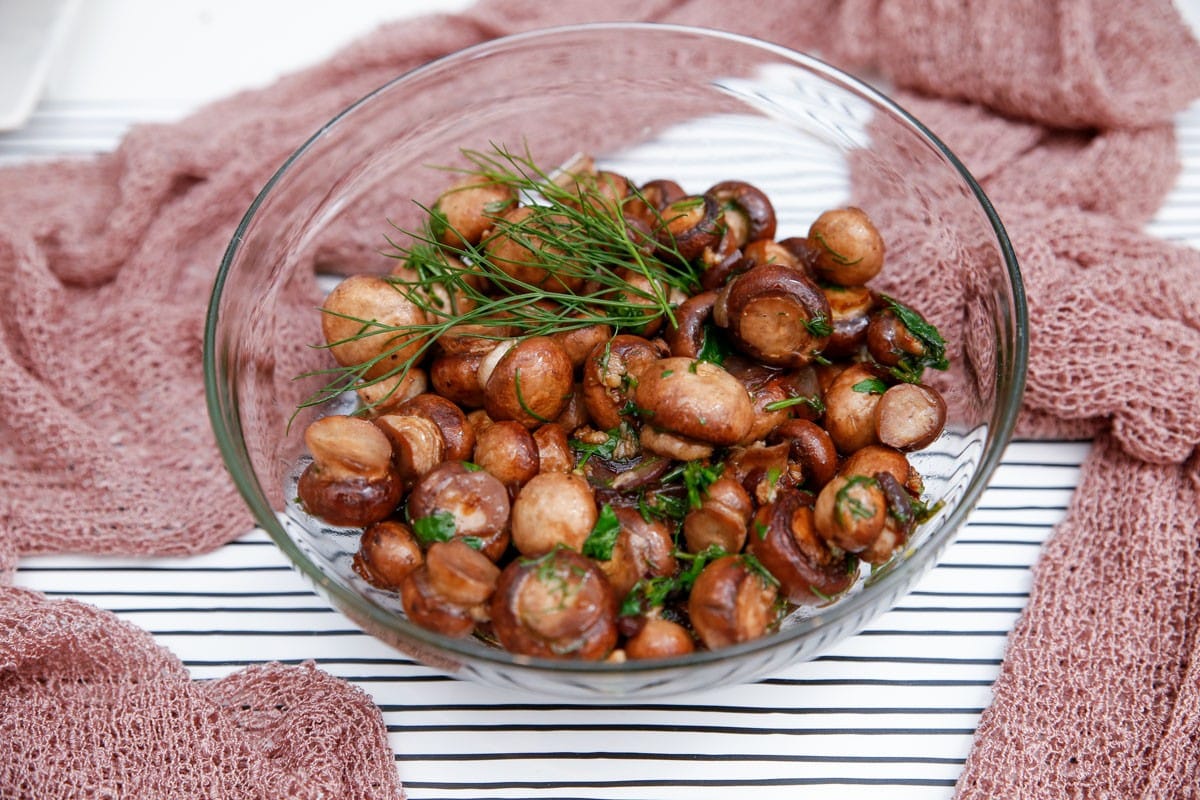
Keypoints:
(649, 101)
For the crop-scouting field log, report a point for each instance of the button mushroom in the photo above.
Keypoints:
(460, 573)
(850, 404)
(694, 399)
(387, 552)
(427, 607)
(747, 207)
(874, 459)
(784, 538)
(369, 321)
(553, 509)
(556, 606)
(731, 602)
(776, 315)
(383, 396)
(721, 519)
(686, 338)
(417, 444)
(465, 211)
(811, 449)
(659, 638)
(610, 375)
(910, 416)
(351, 481)
(522, 246)
(850, 310)
(850, 512)
(508, 451)
(472, 503)
(531, 382)
(643, 549)
(848, 246)
(457, 435)
(689, 226)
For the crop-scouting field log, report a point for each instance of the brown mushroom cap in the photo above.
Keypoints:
(508, 450)
(387, 552)
(460, 573)
(351, 480)
(850, 512)
(610, 374)
(721, 519)
(383, 396)
(910, 416)
(517, 247)
(475, 499)
(875, 458)
(750, 202)
(730, 603)
(417, 444)
(690, 225)
(359, 319)
(850, 404)
(457, 434)
(850, 310)
(783, 537)
(466, 210)
(644, 549)
(695, 399)
(776, 315)
(556, 606)
(426, 607)
(455, 376)
(553, 509)
(686, 337)
(659, 638)
(849, 248)
(531, 382)
(810, 447)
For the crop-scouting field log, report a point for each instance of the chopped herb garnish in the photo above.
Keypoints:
(911, 367)
(437, 527)
(600, 542)
(697, 477)
(870, 386)
(838, 258)
(651, 593)
(818, 326)
(812, 402)
(760, 529)
(756, 566)
(714, 348)
(846, 502)
(585, 450)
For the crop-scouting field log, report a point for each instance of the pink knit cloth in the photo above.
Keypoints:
(1062, 109)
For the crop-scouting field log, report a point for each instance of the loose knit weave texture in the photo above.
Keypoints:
(1062, 110)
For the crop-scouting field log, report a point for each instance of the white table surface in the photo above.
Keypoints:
(889, 713)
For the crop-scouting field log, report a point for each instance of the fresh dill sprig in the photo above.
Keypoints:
(597, 272)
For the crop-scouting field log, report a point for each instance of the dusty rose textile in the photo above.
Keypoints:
(106, 265)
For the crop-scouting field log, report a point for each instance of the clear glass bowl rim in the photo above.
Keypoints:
(1010, 380)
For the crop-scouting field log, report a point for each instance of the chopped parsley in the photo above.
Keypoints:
(911, 367)
(870, 386)
(600, 542)
(437, 527)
